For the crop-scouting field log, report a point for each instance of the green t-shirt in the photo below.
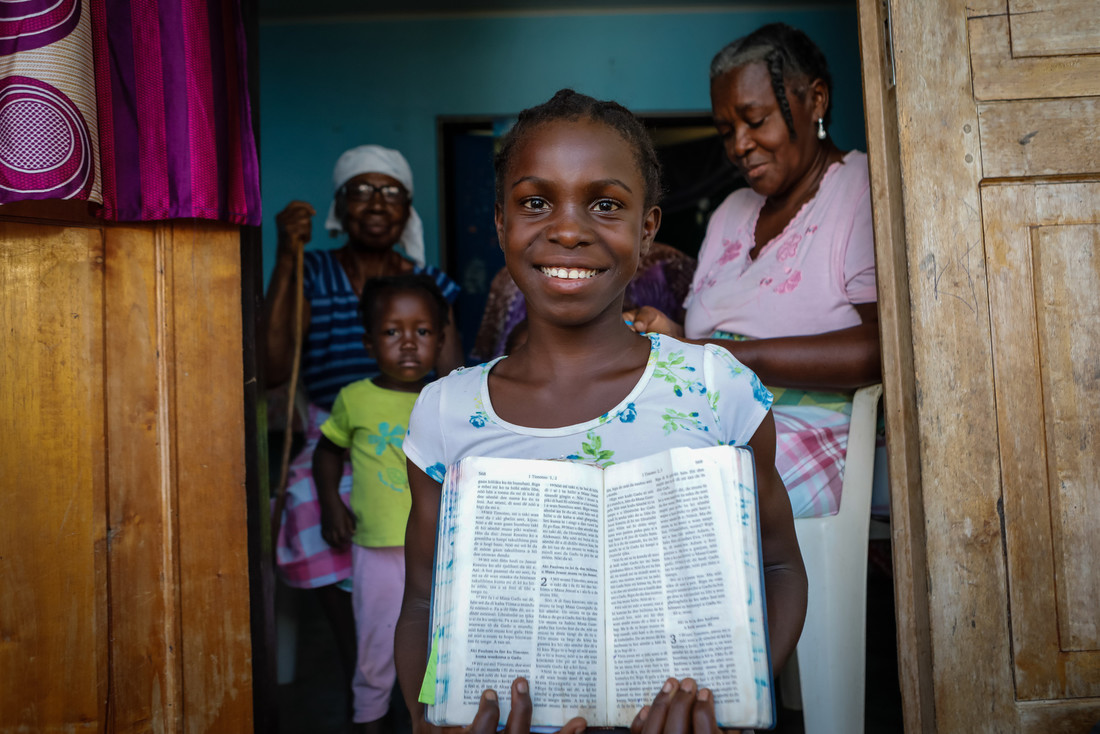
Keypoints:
(372, 421)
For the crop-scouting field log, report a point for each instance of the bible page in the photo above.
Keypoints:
(524, 594)
(742, 502)
(675, 580)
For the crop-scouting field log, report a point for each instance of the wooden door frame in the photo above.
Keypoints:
(261, 546)
(899, 381)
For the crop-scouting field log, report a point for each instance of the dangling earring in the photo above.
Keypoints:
(820, 128)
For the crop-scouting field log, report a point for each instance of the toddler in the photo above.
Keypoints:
(404, 318)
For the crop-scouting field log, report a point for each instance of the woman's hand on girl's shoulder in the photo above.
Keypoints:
(652, 320)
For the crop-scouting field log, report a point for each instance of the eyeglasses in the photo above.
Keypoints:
(365, 191)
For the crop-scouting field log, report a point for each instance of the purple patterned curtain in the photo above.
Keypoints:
(139, 105)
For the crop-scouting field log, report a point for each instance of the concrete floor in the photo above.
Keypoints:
(315, 702)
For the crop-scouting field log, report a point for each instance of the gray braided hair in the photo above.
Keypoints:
(792, 59)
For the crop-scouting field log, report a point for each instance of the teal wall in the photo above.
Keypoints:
(328, 86)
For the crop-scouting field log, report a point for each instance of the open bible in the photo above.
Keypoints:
(597, 585)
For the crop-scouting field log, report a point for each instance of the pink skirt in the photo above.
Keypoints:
(810, 446)
(304, 559)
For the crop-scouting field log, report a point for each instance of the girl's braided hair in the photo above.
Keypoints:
(791, 57)
(569, 105)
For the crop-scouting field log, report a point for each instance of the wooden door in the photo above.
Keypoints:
(984, 138)
(124, 588)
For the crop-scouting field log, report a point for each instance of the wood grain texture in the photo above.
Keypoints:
(208, 430)
(125, 605)
(1029, 137)
(52, 536)
(899, 397)
(1054, 27)
(956, 410)
(997, 75)
(145, 565)
(978, 8)
(1066, 266)
(1061, 717)
(1043, 282)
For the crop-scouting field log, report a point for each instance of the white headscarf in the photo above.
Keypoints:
(376, 159)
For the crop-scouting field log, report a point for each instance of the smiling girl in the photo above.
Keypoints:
(577, 188)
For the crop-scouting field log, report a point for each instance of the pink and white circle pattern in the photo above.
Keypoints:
(45, 147)
(29, 24)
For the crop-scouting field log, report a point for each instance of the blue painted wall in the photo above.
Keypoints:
(328, 86)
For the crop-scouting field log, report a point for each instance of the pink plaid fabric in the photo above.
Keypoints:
(810, 447)
(304, 559)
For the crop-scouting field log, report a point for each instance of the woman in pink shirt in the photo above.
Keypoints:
(786, 274)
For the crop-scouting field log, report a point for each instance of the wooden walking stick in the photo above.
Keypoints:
(292, 389)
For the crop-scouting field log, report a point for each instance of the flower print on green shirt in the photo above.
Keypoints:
(387, 436)
(394, 478)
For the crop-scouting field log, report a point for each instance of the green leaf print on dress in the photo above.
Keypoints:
(674, 420)
(592, 452)
(480, 416)
(759, 392)
(680, 375)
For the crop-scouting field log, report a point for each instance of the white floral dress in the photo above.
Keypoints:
(689, 396)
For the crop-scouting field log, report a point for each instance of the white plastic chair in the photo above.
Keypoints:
(827, 672)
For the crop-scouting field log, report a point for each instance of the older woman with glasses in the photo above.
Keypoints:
(372, 207)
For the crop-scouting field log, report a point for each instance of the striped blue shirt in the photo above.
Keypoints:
(334, 354)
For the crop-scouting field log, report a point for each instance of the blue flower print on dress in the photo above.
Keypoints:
(437, 471)
(761, 393)
(628, 414)
(480, 417)
(387, 436)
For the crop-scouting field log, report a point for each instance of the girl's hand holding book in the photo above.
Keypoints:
(679, 708)
(519, 719)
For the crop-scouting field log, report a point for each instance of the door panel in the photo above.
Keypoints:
(1054, 27)
(1028, 138)
(52, 568)
(997, 74)
(997, 107)
(123, 563)
(1044, 267)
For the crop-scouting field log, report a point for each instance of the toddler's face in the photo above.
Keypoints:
(405, 340)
